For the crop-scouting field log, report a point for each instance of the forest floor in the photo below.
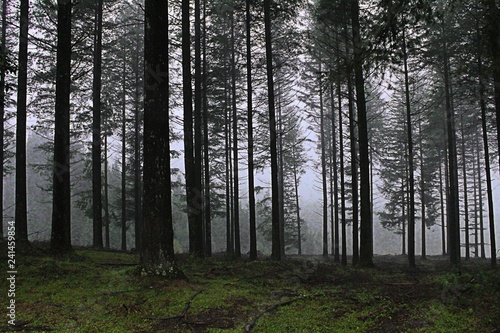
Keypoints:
(99, 291)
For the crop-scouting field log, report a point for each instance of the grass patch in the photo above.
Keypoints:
(98, 291)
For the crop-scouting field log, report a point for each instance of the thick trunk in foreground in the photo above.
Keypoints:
(60, 241)
(157, 250)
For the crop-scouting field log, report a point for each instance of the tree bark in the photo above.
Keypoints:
(193, 174)
(21, 215)
(157, 250)
(489, 189)
(137, 152)
(411, 180)
(366, 226)
(276, 253)
(124, 182)
(3, 70)
(96, 130)
(251, 179)
(323, 164)
(206, 157)
(236, 179)
(60, 241)
(453, 204)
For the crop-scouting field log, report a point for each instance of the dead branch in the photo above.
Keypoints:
(183, 315)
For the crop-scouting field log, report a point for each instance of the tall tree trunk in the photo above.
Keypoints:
(198, 135)
(335, 241)
(206, 156)
(453, 209)
(481, 214)
(489, 190)
(297, 199)
(466, 196)
(276, 253)
(3, 70)
(366, 226)
(96, 130)
(229, 206)
(403, 218)
(422, 191)
(441, 200)
(411, 180)
(106, 188)
(157, 250)
(251, 179)
(281, 178)
(137, 152)
(124, 183)
(21, 216)
(323, 164)
(60, 241)
(193, 174)
(237, 245)
(342, 176)
(476, 227)
(354, 157)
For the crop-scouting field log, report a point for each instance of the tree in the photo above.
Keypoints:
(96, 130)
(276, 234)
(60, 242)
(193, 174)
(157, 246)
(366, 225)
(21, 200)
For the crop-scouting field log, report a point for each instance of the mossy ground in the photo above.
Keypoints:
(98, 291)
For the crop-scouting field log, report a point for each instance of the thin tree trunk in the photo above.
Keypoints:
(403, 218)
(60, 241)
(336, 249)
(21, 215)
(229, 234)
(281, 179)
(453, 211)
(481, 214)
(192, 191)
(3, 70)
(342, 180)
(206, 156)
(476, 229)
(237, 245)
(466, 197)
(366, 226)
(276, 253)
(197, 200)
(106, 189)
(323, 165)
(354, 158)
(124, 189)
(441, 200)
(96, 130)
(411, 180)
(251, 180)
(296, 185)
(489, 190)
(422, 192)
(137, 153)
